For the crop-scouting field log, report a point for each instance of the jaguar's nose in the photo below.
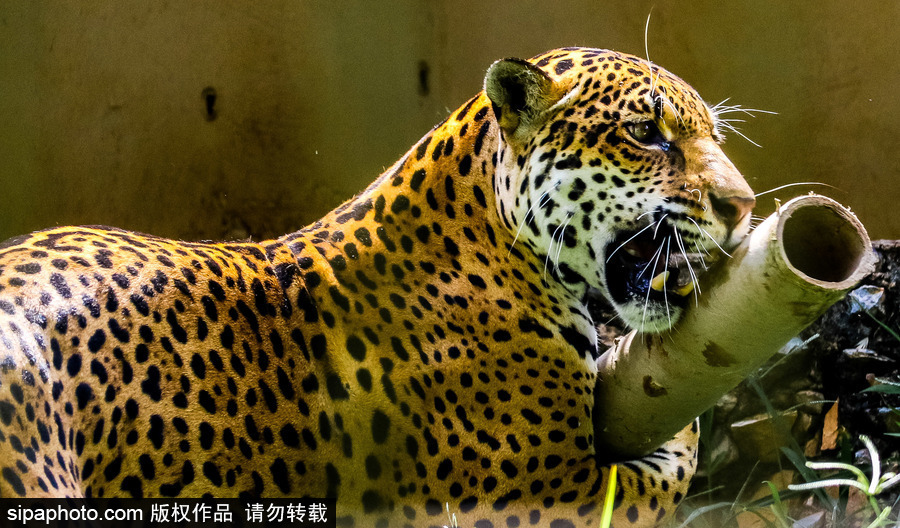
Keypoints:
(732, 210)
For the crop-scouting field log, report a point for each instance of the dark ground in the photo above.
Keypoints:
(843, 353)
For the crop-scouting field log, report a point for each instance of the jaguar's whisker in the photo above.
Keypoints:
(780, 187)
(652, 262)
(647, 39)
(659, 223)
(632, 237)
(730, 127)
(550, 249)
(666, 272)
(673, 108)
(690, 268)
(561, 240)
(655, 256)
(730, 109)
(700, 251)
(705, 232)
(540, 203)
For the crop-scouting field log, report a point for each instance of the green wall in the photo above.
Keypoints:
(104, 105)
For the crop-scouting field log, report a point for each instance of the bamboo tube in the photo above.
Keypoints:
(784, 275)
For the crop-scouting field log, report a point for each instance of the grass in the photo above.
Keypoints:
(871, 486)
(774, 512)
(887, 387)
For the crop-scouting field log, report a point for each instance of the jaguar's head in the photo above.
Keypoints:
(610, 169)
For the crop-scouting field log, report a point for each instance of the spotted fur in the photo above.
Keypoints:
(425, 345)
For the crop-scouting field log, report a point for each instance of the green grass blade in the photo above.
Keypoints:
(702, 511)
(890, 330)
(606, 519)
(884, 388)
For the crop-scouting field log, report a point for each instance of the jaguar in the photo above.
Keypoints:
(424, 349)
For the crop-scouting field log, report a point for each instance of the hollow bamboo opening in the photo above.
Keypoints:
(820, 243)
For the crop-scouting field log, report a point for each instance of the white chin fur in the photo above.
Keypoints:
(650, 320)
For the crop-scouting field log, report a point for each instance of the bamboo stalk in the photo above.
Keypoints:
(785, 274)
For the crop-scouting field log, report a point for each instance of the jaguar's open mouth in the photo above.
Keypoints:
(652, 267)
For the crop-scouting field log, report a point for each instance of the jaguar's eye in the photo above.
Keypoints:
(645, 132)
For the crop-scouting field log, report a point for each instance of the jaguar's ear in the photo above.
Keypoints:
(520, 93)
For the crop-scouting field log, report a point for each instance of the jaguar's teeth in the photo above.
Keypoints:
(631, 251)
(658, 283)
(686, 289)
